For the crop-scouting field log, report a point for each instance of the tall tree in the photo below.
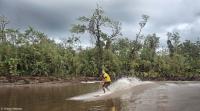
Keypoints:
(137, 44)
(95, 25)
(173, 42)
(150, 44)
(3, 22)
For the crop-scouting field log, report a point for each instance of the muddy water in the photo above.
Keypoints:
(157, 96)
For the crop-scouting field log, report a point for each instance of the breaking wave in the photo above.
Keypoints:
(117, 86)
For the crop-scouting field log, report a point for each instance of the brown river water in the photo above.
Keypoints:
(125, 95)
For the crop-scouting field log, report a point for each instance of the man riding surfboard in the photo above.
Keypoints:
(106, 81)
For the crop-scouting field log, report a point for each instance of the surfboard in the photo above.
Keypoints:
(102, 94)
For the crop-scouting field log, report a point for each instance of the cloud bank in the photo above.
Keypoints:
(55, 17)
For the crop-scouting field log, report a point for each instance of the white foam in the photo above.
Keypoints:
(124, 83)
(121, 84)
(193, 84)
(89, 82)
(172, 84)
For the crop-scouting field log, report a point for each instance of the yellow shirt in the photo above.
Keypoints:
(106, 77)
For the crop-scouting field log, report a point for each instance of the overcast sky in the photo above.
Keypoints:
(55, 17)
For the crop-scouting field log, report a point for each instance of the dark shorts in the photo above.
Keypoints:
(106, 84)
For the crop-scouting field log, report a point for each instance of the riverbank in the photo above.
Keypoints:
(172, 78)
(13, 81)
(42, 81)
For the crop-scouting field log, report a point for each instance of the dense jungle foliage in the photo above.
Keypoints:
(33, 53)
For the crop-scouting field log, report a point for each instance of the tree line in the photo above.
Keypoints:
(33, 53)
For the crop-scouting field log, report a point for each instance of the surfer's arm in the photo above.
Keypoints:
(104, 78)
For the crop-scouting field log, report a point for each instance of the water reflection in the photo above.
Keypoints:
(43, 98)
(163, 97)
(181, 96)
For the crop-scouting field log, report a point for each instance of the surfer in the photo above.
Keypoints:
(106, 81)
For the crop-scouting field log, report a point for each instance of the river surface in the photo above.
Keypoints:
(153, 96)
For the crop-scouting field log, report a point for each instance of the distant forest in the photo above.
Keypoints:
(33, 53)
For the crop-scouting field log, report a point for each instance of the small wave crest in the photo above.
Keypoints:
(120, 84)
(124, 83)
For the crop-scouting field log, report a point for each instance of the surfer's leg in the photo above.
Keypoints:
(104, 85)
(104, 90)
(107, 88)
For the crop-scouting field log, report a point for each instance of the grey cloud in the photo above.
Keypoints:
(55, 17)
